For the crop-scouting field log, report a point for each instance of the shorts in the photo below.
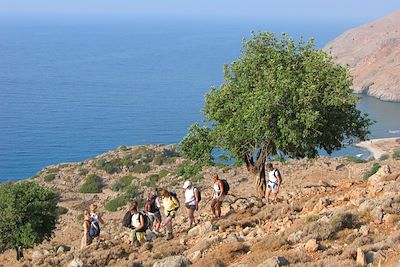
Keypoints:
(221, 199)
(190, 207)
(155, 217)
(273, 187)
(171, 213)
(139, 236)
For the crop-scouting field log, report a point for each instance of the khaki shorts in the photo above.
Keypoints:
(221, 199)
(139, 236)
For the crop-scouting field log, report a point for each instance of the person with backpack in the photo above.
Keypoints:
(96, 219)
(273, 183)
(192, 198)
(170, 204)
(86, 239)
(138, 225)
(221, 188)
(152, 208)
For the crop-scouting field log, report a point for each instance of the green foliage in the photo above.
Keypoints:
(158, 159)
(117, 202)
(384, 157)
(396, 154)
(372, 171)
(355, 159)
(83, 172)
(92, 184)
(163, 173)
(283, 96)
(27, 214)
(151, 180)
(170, 160)
(341, 221)
(188, 170)
(49, 177)
(197, 145)
(122, 183)
(122, 148)
(141, 168)
(61, 210)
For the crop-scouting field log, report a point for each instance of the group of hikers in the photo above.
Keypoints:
(139, 221)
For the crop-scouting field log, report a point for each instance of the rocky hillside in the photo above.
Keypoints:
(331, 212)
(372, 52)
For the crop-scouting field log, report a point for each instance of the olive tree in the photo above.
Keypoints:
(27, 215)
(282, 97)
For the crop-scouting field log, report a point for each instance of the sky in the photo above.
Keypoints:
(361, 10)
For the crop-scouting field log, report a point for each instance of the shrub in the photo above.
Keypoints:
(122, 183)
(83, 172)
(341, 221)
(151, 180)
(384, 157)
(396, 154)
(163, 173)
(187, 170)
(122, 148)
(131, 192)
(117, 202)
(158, 160)
(92, 184)
(355, 159)
(170, 160)
(372, 171)
(49, 177)
(141, 168)
(61, 210)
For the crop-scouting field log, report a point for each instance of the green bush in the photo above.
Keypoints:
(117, 202)
(163, 173)
(170, 160)
(52, 170)
(372, 171)
(355, 159)
(92, 184)
(49, 177)
(122, 183)
(158, 160)
(61, 210)
(188, 170)
(131, 192)
(384, 157)
(83, 172)
(396, 154)
(141, 168)
(122, 148)
(151, 180)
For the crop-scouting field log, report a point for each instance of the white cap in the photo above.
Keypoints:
(186, 184)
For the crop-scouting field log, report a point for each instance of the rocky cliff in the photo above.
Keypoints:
(372, 52)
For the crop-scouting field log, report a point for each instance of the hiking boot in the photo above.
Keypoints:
(169, 236)
(136, 244)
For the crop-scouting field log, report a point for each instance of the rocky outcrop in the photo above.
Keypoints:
(372, 52)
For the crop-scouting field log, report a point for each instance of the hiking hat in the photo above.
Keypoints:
(187, 184)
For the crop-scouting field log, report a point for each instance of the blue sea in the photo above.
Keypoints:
(72, 89)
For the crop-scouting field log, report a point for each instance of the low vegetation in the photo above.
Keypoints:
(372, 171)
(396, 154)
(141, 168)
(188, 170)
(130, 192)
(151, 180)
(93, 184)
(122, 183)
(49, 177)
(355, 159)
(384, 157)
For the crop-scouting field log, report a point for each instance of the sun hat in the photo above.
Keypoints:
(186, 184)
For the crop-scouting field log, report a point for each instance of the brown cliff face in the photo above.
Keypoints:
(372, 52)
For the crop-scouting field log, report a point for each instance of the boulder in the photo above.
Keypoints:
(76, 263)
(202, 229)
(360, 260)
(377, 214)
(311, 245)
(173, 261)
(274, 262)
(295, 237)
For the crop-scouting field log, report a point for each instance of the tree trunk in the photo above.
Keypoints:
(260, 182)
(257, 170)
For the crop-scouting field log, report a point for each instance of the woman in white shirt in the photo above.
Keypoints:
(191, 201)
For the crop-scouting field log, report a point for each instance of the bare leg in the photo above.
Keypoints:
(213, 204)
(191, 217)
(218, 208)
(267, 193)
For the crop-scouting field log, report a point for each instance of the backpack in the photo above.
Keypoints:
(94, 229)
(126, 221)
(150, 205)
(199, 193)
(174, 195)
(148, 223)
(226, 186)
(277, 173)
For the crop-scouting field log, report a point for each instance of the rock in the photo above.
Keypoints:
(76, 263)
(202, 229)
(377, 215)
(37, 254)
(173, 261)
(375, 258)
(311, 245)
(60, 250)
(364, 230)
(195, 256)
(360, 260)
(234, 237)
(150, 235)
(294, 238)
(204, 244)
(274, 262)
(132, 256)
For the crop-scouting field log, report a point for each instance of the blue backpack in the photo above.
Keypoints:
(94, 230)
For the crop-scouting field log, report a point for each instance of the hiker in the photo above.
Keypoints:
(218, 195)
(170, 204)
(96, 219)
(192, 198)
(138, 224)
(86, 239)
(274, 182)
(152, 208)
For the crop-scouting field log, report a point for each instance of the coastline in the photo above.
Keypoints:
(380, 146)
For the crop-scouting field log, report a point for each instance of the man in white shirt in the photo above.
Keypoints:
(273, 182)
(191, 201)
